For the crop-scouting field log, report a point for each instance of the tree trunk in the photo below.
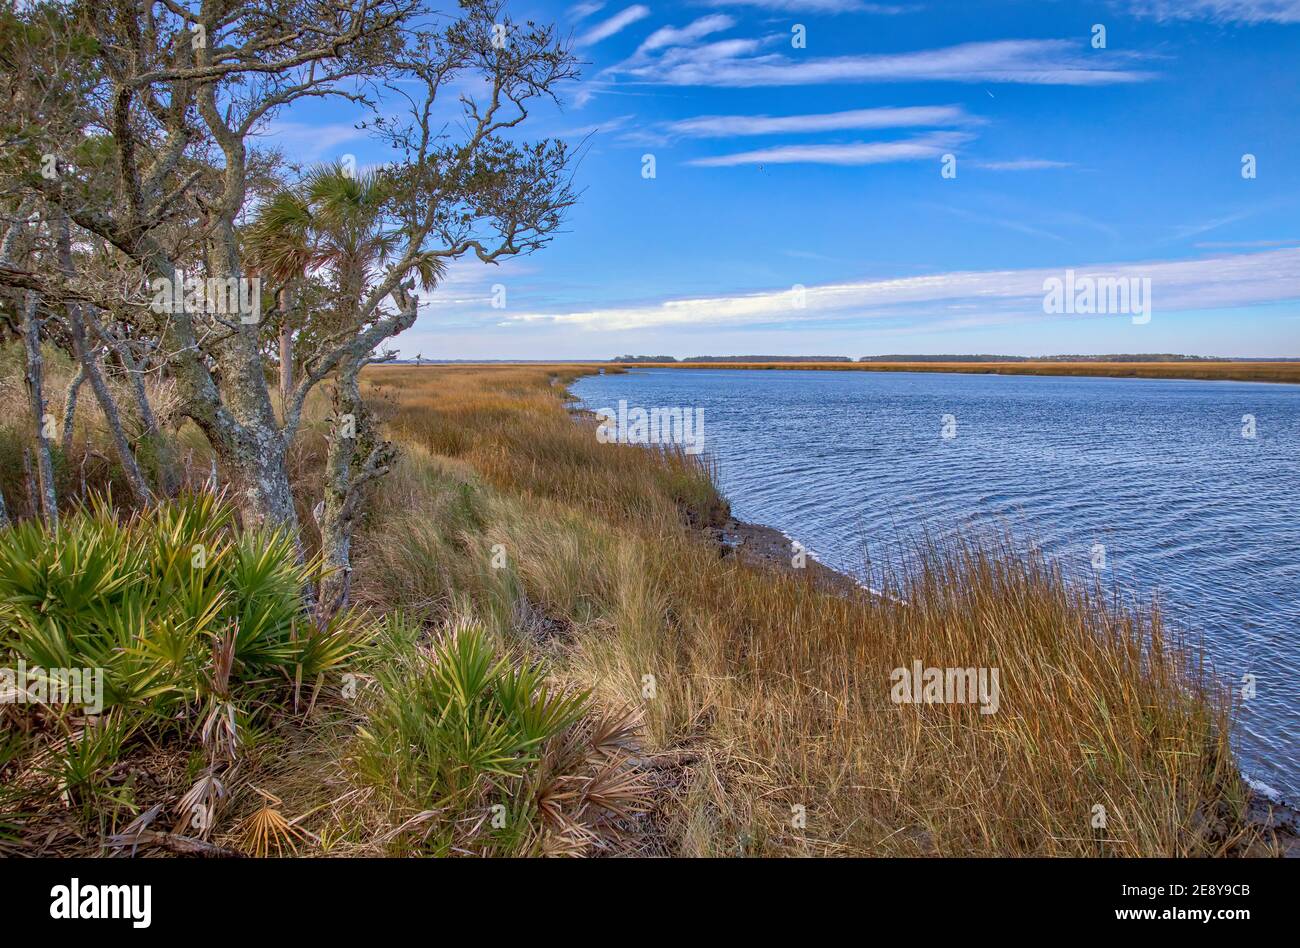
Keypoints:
(336, 517)
(237, 419)
(353, 437)
(89, 358)
(258, 451)
(108, 405)
(168, 475)
(29, 484)
(34, 377)
(7, 245)
(70, 409)
(286, 348)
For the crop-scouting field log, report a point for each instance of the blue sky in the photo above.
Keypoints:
(820, 167)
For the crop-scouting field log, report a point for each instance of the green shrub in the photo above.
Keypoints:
(484, 753)
(197, 628)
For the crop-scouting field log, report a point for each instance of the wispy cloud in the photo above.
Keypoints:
(855, 153)
(818, 6)
(1244, 244)
(996, 220)
(580, 11)
(614, 24)
(604, 126)
(991, 296)
(1031, 62)
(302, 142)
(732, 126)
(1222, 11)
(684, 35)
(1201, 227)
(1023, 164)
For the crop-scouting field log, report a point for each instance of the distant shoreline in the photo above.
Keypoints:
(1206, 371)
(1283, 372)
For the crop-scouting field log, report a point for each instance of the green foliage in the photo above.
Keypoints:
(198, 628)
(85, 757)
(456, 729)
(154, 601)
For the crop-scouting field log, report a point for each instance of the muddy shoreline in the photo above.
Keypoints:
(766, 546)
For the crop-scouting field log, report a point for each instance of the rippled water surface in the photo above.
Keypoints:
(1157, 471)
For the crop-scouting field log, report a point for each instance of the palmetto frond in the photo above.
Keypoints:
(340, 198)
(429, 269)
(279, 241)
(334, 220)
(268, 827)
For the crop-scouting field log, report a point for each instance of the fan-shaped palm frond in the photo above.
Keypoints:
(334, 220)
(279, 241)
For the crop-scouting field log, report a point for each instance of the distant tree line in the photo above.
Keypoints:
(739, 358)
(760, 358)
(1115, 357)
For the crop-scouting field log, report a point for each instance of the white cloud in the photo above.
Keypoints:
(729, 126)
(1223, 11)
(580, 11)
(1243, 244)
(681, 36)
(1201, 227)
(306, 143)
(1031, 62)
(615, 24)
(985, 218)
(604, 126)
(992, 296)
(855, 153)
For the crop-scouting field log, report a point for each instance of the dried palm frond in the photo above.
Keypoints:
(268, 827)
(575, 840)
(220, 731)
(616, 791)
(197, 809)
(587, 780)
(614, 731)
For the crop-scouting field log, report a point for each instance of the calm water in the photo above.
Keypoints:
(1158, 471)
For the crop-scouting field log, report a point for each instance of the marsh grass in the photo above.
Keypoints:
(770, 693)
